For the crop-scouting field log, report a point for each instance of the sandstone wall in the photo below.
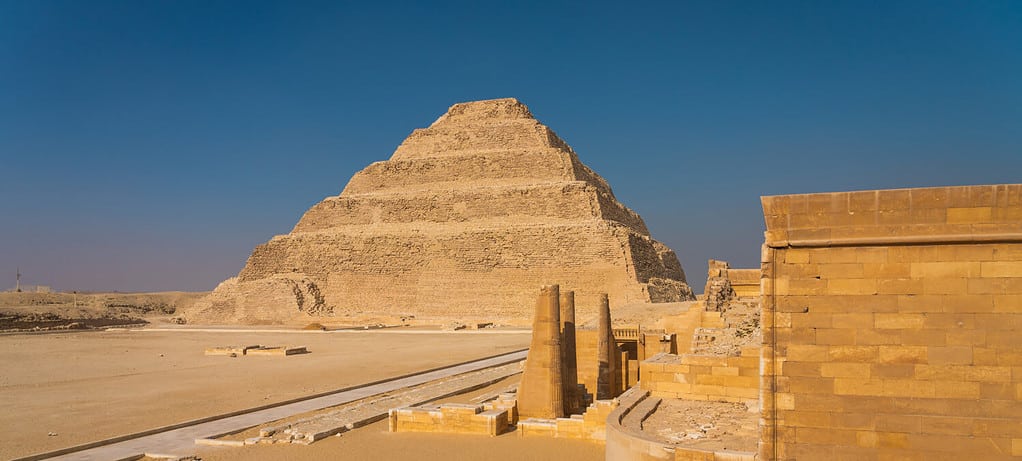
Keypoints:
(588, 367)
(745, 282)
(891, 325)
(451, 418)
(703, 377)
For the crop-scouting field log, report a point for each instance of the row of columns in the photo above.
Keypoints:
(549, 387)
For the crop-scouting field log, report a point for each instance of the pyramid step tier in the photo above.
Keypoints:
(447, 139)
(536, 203)
(503, 166)
(567, 247)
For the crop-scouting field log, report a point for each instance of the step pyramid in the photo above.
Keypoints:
(467, 218)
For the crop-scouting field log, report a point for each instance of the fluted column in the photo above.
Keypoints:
(540, 394)
(606, 351)
(569, 365)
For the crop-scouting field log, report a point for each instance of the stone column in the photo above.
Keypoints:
(606, 350)
(569, 362)
(540, 394)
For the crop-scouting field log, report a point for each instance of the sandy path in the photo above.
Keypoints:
(88, 386)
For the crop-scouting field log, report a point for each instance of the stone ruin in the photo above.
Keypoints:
(734, 294)
(465, 218)
(718, 291)
(550, 399)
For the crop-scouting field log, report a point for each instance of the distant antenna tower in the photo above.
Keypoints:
(17, 285)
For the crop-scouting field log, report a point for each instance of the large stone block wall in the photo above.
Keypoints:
(891, 325)
(703, 377)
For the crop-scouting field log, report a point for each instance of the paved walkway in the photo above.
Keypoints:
(182, 441)
(393, 331)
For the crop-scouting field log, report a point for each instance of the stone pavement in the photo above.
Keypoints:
(181, 441)
(307, 428)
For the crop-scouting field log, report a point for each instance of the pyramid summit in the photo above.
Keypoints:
(495, 124)
(467, 217)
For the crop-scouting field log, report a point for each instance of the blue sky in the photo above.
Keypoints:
(150, 145)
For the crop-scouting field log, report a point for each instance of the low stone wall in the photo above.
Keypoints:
(450, 418)
(588, 426)
(703, 377)
(745, 282)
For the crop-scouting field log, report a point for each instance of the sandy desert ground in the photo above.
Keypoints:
(86, 386)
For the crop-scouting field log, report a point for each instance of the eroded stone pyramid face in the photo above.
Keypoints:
(464, 222)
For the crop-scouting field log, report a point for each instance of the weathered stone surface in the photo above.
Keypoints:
(569, 355)
(899, 310)
(541, 392)
(606, 349)
(467, 216)
(718, 292)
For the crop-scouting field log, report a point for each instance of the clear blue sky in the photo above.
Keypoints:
(150, 145)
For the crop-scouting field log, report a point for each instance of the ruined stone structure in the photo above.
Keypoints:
(450, 418)
(606, 350)
(718, 291)
(891, 325)
(540, 395)
(551, 400)
(466, 217)
(572, 395)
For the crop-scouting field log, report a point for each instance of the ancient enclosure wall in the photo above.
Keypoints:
(703, 377)
(463, 222)
(891, 325)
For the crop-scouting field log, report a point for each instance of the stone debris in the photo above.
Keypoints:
(739, 327)
(168, 457)
(704, 424)
(237, 351)
(278, 350)
(739, 324)
(466, 217)
(308, 428)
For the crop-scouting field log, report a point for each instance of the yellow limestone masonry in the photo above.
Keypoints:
(892, 325)
(467, 217)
